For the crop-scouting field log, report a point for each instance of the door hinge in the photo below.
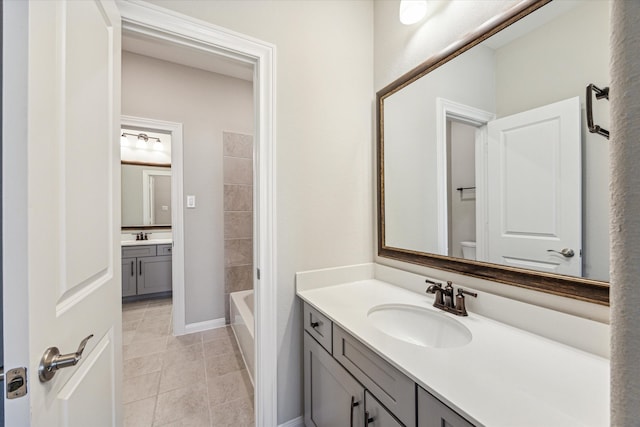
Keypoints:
(258, 270)
(16, 380)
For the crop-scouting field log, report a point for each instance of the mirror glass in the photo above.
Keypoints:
(146, 195)
(488, 159)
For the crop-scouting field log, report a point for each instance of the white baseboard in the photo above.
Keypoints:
(204, 326)
(296, 422)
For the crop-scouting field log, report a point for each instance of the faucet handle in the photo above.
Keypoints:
(460, 308)
(435, 288)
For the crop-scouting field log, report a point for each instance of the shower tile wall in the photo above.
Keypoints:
(238, 214)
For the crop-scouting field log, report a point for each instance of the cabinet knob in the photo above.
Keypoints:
(367, 419)
(315, 324)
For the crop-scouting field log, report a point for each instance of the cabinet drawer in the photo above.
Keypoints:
(318, 326)
(138, 251)
(376, 414)
(165, 249)
(390, 386)
(433, 413)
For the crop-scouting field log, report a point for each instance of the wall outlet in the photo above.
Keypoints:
(191, 202)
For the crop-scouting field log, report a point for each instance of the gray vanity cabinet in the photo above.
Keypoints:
(376, 414)
(145, 270)
(433, 413)
(395, 390)
(333, 398)
(129, 277)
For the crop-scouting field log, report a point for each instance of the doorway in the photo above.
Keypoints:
(178, 31)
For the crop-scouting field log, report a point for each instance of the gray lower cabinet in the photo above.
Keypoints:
(376, 414)
(433, 413)
(332, 397)
(145, 270)
(348, 384)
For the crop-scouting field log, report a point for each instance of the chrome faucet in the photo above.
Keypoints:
(444, 299)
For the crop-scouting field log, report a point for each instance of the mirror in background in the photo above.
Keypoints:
(146, 178)
(487, 158)
(146, 195)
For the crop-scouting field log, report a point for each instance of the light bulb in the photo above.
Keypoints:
(411, 11)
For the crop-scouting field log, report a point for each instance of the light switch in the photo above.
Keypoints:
(191, 201)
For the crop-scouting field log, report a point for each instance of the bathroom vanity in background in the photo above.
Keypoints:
(146, 269)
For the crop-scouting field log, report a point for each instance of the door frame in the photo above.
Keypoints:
(450, 110)
(177, 210)
(171, 27)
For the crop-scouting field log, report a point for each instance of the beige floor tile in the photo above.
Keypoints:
(219, 347)
(184, 341)
(148, 335)
(140, 387)
(158, 324)
(200, 419)
(178, 404)
(140, 413)
(128, 316)
(237, 413)
(228, 387)
(132, 306)
(158, 311)
(160, 302)
(127, 337)
(184, 354)
(221, 365)
(130, 325)
(143, 365)
(182, 375)
(144, 348)
(218, 333)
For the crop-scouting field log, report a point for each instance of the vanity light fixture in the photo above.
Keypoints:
(142, 137)
(411, 11)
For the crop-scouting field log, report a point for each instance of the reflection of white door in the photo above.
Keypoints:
(534, 189)
(69, 275)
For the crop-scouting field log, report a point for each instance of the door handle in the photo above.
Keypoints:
(132, 269)
(52, 360)
(566, 252)
(353, 405)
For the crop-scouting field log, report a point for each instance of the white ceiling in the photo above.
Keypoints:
(191, 57)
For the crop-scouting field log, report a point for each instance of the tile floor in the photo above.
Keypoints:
(194, 380)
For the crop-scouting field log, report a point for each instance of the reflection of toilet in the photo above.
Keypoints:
(468, 250)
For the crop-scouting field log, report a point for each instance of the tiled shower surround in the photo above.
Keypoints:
(238, 214)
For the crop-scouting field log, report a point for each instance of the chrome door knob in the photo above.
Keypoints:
(566, 252)
(52, 360)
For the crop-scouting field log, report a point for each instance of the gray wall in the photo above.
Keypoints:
(324, 103)
(206, 104)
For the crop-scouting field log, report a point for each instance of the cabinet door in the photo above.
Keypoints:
(129, 272)
(376, 414)
(332, 397)
(154, 274)
(433, 413)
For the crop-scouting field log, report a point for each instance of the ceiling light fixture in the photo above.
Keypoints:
(411, 11)
(142, 137)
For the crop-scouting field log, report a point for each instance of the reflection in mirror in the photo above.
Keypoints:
(487, 158)
(146, 195)
(146, 177)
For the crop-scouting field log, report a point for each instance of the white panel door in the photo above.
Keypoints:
(72, 233)
(534, 189)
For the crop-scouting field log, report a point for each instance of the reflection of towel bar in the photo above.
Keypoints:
(461, 189)
(600, 93)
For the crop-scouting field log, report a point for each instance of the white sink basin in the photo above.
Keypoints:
(419, 326)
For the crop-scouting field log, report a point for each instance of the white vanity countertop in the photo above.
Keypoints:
(503, 377)
(146, 242)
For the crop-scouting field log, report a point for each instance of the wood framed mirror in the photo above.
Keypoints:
(529, 193)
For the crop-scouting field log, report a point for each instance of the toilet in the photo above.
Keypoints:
(468, 250)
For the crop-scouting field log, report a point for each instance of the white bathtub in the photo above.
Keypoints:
(241, 310)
